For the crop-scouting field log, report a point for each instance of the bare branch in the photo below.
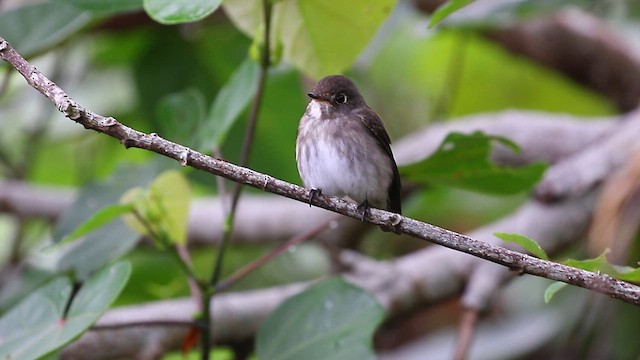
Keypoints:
(132, 138)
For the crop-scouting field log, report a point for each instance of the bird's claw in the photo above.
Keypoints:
(364, 207)
(313, 194)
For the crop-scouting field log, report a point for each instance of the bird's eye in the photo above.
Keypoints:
(341, 98)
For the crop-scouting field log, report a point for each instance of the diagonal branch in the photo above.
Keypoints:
(132, 138)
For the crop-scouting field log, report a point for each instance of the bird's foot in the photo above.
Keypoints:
(364, 207)
(313, 194)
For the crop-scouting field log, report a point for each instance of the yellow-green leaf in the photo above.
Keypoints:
(169, 197)
(319, 37)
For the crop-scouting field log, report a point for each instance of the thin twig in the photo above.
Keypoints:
(252, 266)
(129, 137)
(466, 333)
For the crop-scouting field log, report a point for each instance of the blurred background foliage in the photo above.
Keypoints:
(118, 62)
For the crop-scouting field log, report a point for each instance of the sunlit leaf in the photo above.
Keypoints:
(462, 161)
(138, 199)
(331, 320)
(164, 207)
(320, 37)
(179, 11)
(36, 327)
(170, 194)
(527, 243)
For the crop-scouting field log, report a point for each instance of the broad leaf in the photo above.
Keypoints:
(231, 100)
(462, 161)
(320, 37)
(331, 320)
(447, 9)
(36, 327)
(32, 29)
(527, 243)
(179, 11)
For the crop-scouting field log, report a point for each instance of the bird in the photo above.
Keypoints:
(343, 149)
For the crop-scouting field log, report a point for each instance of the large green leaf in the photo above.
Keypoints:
(36, 326)
(179, 11)
(231, 100)
(463, 161)
(104, 7)
(320, 37)
(31, 29)
(331, 320)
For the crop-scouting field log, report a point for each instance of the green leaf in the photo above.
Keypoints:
(181, 115)
(164, 207)
(36, 327)
(32, 29)
(105, 7)
(320, 37)
(527, 243)
(628, 274)
(231, 100)
(179, 11)
(447, 9)
(331, 320)
(552, 290)
(100, 218)
(170, 195)
(599, 264)
(462, 161)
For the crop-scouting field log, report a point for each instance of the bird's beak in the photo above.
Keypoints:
(316, 96)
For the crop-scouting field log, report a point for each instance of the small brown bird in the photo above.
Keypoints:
(342, 147)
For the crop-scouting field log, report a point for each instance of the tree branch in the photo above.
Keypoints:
(132, 138)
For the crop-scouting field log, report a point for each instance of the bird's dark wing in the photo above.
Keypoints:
(374, 124)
